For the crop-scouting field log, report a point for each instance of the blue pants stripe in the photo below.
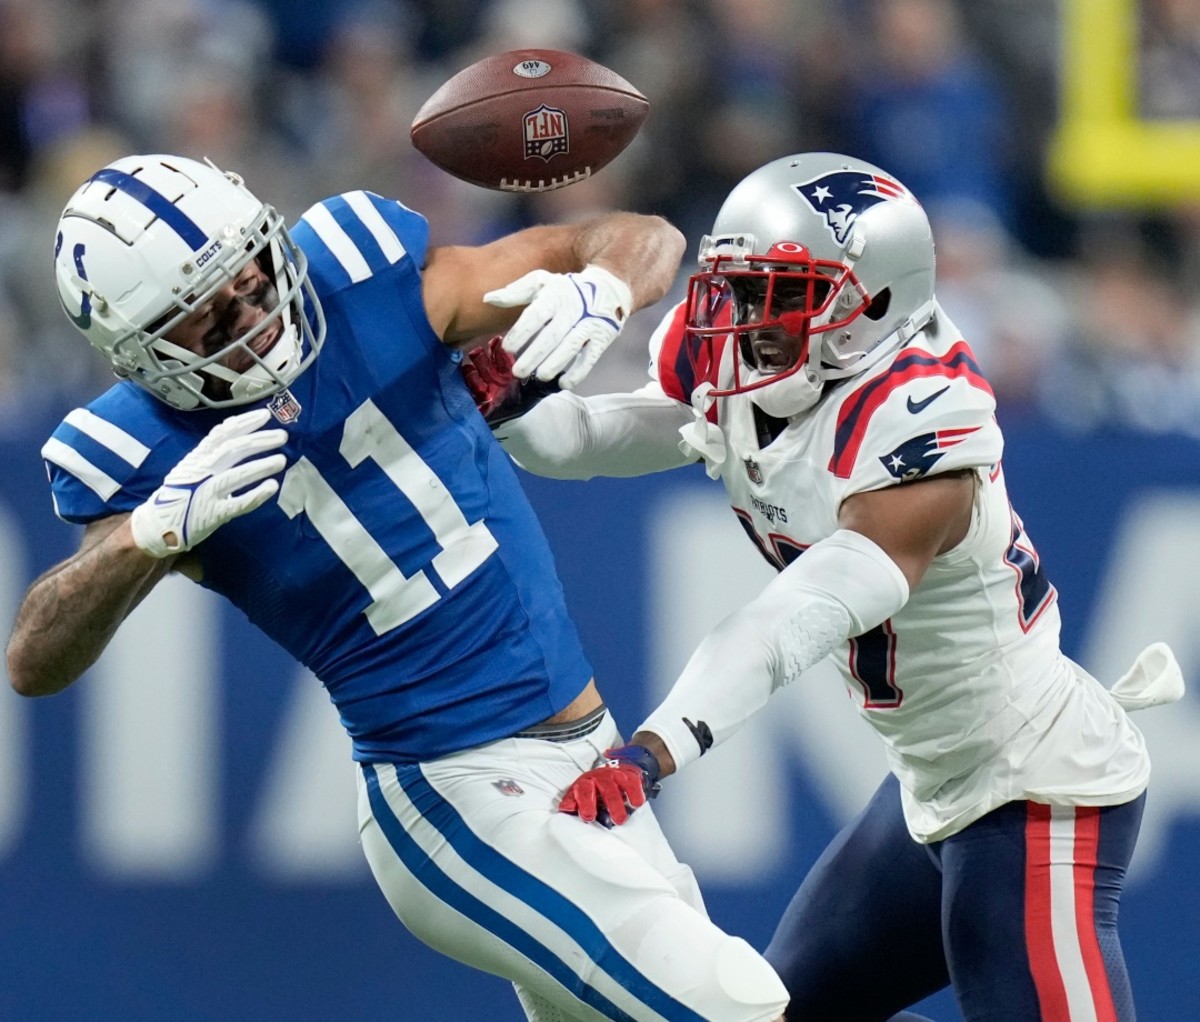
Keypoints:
(510, 877)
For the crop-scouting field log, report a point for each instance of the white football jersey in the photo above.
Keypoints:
(966, 684)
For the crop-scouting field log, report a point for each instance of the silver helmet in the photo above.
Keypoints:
(147, 242)
(817, 266)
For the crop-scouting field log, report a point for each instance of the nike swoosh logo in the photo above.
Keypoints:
(920, 406)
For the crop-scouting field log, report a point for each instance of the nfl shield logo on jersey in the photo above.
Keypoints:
(752, 470)
(545, 132)
(507, 786)
(284, 407)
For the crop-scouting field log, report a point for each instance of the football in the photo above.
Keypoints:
(529, 120)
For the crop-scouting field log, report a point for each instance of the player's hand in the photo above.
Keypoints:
(569, 321)
(608, 792)
(499, 395)
(488, 373)
(209, 485)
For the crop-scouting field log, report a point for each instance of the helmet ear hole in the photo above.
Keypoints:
(879, 305)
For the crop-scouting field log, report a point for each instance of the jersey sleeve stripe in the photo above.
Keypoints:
(674, 367)
(127, 447)
(338, 242)
(855, 415)
(683, 362)
(389, 242)
(70, 460)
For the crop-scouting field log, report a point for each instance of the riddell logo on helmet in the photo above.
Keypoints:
(842, 196)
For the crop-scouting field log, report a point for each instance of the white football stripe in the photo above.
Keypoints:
(339, 243)
(1063, 925)
(381, 231)
(100, 483)
(113, 437)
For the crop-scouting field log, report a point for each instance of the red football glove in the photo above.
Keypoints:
(488, 372)
(498, 394)
(607, 793)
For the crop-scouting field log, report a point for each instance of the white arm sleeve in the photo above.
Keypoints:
(840, 587)
(570, 437)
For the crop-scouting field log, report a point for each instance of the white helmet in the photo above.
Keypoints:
(148, 240)
(817, 266)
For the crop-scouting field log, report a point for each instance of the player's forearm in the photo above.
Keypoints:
(841, 587)
(613, 435)
(70, 613)
(644, 251)
(728, 679)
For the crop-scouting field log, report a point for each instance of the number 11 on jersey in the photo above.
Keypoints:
(395, 598)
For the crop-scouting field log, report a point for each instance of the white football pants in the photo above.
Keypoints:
(589, 923)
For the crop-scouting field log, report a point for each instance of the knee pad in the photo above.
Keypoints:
(746, 978)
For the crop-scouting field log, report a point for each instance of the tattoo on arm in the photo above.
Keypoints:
(72, 611)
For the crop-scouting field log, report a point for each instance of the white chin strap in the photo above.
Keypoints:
(276, 369)
(800, 391)
(279, 367)
(788, 396)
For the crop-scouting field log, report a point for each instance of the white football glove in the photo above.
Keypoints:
(198, 495)
(570, 319)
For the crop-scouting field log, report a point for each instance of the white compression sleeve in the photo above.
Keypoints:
(840, 587)
(566, 436)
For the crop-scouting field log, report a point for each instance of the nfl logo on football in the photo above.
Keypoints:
(545, 132)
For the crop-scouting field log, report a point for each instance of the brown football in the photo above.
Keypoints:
(529, 120)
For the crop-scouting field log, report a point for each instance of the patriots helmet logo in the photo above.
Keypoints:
(842, 196)
(915, 457)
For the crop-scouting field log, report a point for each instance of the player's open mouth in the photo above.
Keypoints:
(773, 358)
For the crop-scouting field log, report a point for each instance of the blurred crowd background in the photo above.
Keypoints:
(1092, 317)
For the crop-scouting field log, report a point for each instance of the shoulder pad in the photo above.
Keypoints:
(110, 456)
(907, 419)
(355, 235)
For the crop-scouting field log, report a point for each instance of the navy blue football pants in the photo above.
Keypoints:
(1018, 911)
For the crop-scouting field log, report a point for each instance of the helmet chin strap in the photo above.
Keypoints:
(274, 370)
(790, 395)
(278, 367)
(900, 336)
(799, 391)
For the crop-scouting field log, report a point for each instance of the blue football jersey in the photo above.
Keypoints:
(400, 561)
